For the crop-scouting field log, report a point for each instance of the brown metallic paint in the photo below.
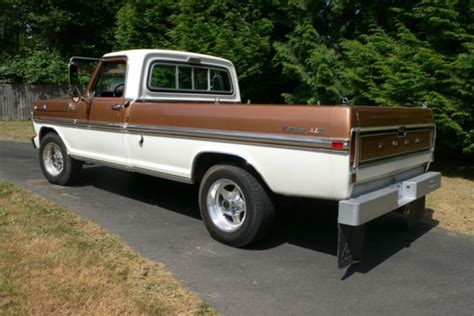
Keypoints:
(378, 146)
(59, 108)
(255, 118)
(97, 109)
(101, 110)
(372, 116)
(332, 121)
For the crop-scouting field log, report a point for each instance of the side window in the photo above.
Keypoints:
(111, 81)
(183, 77)
(200, 78)
(219, 80)
(163, 76)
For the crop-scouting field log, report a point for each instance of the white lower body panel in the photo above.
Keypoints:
(286, 170)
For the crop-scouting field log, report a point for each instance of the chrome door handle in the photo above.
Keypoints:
(116, 107)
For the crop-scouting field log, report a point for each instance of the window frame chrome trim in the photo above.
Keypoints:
(206, 66)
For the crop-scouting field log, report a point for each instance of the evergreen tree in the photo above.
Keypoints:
(306, 59)
(391, 53)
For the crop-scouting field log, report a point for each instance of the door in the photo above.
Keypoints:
(108, 93)
(103, 139)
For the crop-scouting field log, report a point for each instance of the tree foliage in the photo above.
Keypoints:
(38, 37)
(237, 30)
(143, 24)
(399, 56)
(36, 66)
(392, 53)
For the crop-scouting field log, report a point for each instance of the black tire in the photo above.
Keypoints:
(71, 168)
(259, 213)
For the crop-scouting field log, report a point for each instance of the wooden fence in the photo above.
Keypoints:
(16, 100)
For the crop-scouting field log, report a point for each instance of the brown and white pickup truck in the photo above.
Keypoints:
(178, 115)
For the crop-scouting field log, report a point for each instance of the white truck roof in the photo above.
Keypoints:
(138, 53)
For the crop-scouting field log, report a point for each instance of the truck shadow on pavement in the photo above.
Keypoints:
(312, 224)
(384, 238)
(307, 223)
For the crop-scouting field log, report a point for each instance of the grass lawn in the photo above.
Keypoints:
(54, 262)
(453, 205)
(20, 131)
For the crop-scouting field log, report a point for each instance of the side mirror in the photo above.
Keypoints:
(74, 83)
(75, 94)
(79, 76)
(73, 74)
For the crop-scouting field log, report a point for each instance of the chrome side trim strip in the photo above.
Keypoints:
(306, 142)
(134, 169)
(391, 132)
(371, 163)
(163, 175)
(290, 140)
(394, 127)
(102, 162)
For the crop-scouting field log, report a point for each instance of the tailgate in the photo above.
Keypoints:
(388, 133)
(390, 141)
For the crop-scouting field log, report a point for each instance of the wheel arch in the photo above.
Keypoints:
(205, 160)
(44, 130)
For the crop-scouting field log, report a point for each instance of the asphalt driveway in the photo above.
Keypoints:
(426, 270)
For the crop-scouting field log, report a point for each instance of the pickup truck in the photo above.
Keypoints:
(179, 116)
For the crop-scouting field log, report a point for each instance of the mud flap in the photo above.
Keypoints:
(350, 244)
(412, 213)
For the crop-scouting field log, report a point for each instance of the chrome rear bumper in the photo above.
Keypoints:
(362, 209)
(355, 212)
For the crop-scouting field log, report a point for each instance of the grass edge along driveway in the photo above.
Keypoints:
(52, 261)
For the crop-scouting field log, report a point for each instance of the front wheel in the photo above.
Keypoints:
(57, 166)
(235, 207)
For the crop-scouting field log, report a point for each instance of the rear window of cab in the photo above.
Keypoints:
(175, 77)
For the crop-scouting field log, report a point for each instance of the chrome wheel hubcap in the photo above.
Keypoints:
(226, 205)
(53, 159)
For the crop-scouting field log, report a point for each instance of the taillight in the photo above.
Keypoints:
(338, 145)
(353, 148)
(353, 151)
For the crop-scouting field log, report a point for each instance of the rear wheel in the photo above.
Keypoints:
(57, 166)
(235, 207)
